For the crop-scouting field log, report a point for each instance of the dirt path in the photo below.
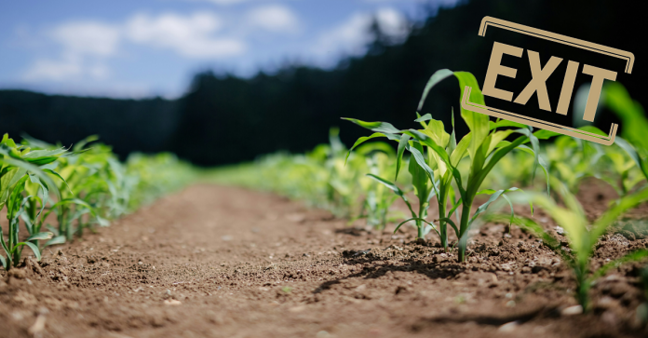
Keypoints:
(225, 262)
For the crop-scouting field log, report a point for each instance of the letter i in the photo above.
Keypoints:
(567, 87)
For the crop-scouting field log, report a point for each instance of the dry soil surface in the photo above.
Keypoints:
(214, 261)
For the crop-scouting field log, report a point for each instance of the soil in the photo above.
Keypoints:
(213, 261)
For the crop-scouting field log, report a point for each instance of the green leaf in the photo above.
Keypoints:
(33, 247)
(494, 195)
(633, 118)
(632, 152)
(4, 244)
(56, 240)
(436, 131)
(437, 77)
(544, 134)
(403, 222)
(378, 127)
(504, 123)
(40, 236)
(402, 144)
(424, 118)
(31, 168)
(81, 144)
(395, 189)
(419, 175)
(425, 140)
(629, 258)
(420, 160)
(613, 213)
(452, 224)
(362, 140)
(477, 123)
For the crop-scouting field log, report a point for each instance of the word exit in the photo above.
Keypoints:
(540, 74)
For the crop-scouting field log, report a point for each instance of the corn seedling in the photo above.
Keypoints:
(23, 170)
(633, 142)
(377, 198)
(435, 156)
(582, 235)
(92, 186)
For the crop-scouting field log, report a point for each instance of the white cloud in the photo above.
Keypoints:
(352, 36)
(56, 70)
(348, 37)
(87, 45)
(392, 22)
(274, 18)
(190, 36)
(68, 67)
(87, 37)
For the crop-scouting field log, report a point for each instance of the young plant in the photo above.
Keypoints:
(435, 156)
(572, 159)
(83, 180)
(581, 234)
(20, 169)
(635, 124)
(377, 198)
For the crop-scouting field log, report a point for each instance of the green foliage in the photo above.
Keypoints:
(581, 234)
(435, 158)
(79, 187)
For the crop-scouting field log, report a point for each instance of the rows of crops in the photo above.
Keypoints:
(431, 165)
(56, 193)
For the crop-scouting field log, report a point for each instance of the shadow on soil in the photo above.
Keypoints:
(377, 270)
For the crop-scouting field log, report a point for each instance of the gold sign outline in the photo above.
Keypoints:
(586, 45)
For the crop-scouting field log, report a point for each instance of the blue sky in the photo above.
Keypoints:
(134, 49)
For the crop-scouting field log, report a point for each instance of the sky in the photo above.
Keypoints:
(147, 48)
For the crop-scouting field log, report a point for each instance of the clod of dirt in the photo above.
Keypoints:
(25, 298)
(606, 303)
(610, 318)
(620, 289)
(17, 273)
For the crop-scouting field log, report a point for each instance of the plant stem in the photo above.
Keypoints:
(582, 286)
(443, 227)
(463, 240)
(419, 224)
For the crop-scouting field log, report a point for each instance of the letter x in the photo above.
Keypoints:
(538, 81)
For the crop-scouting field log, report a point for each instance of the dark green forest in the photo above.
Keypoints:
(227, 119)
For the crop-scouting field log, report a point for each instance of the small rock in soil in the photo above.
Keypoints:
(608, 317)
(606, 303)
(572, 310)
(38, 326)
(620, 289)
(509, 327)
